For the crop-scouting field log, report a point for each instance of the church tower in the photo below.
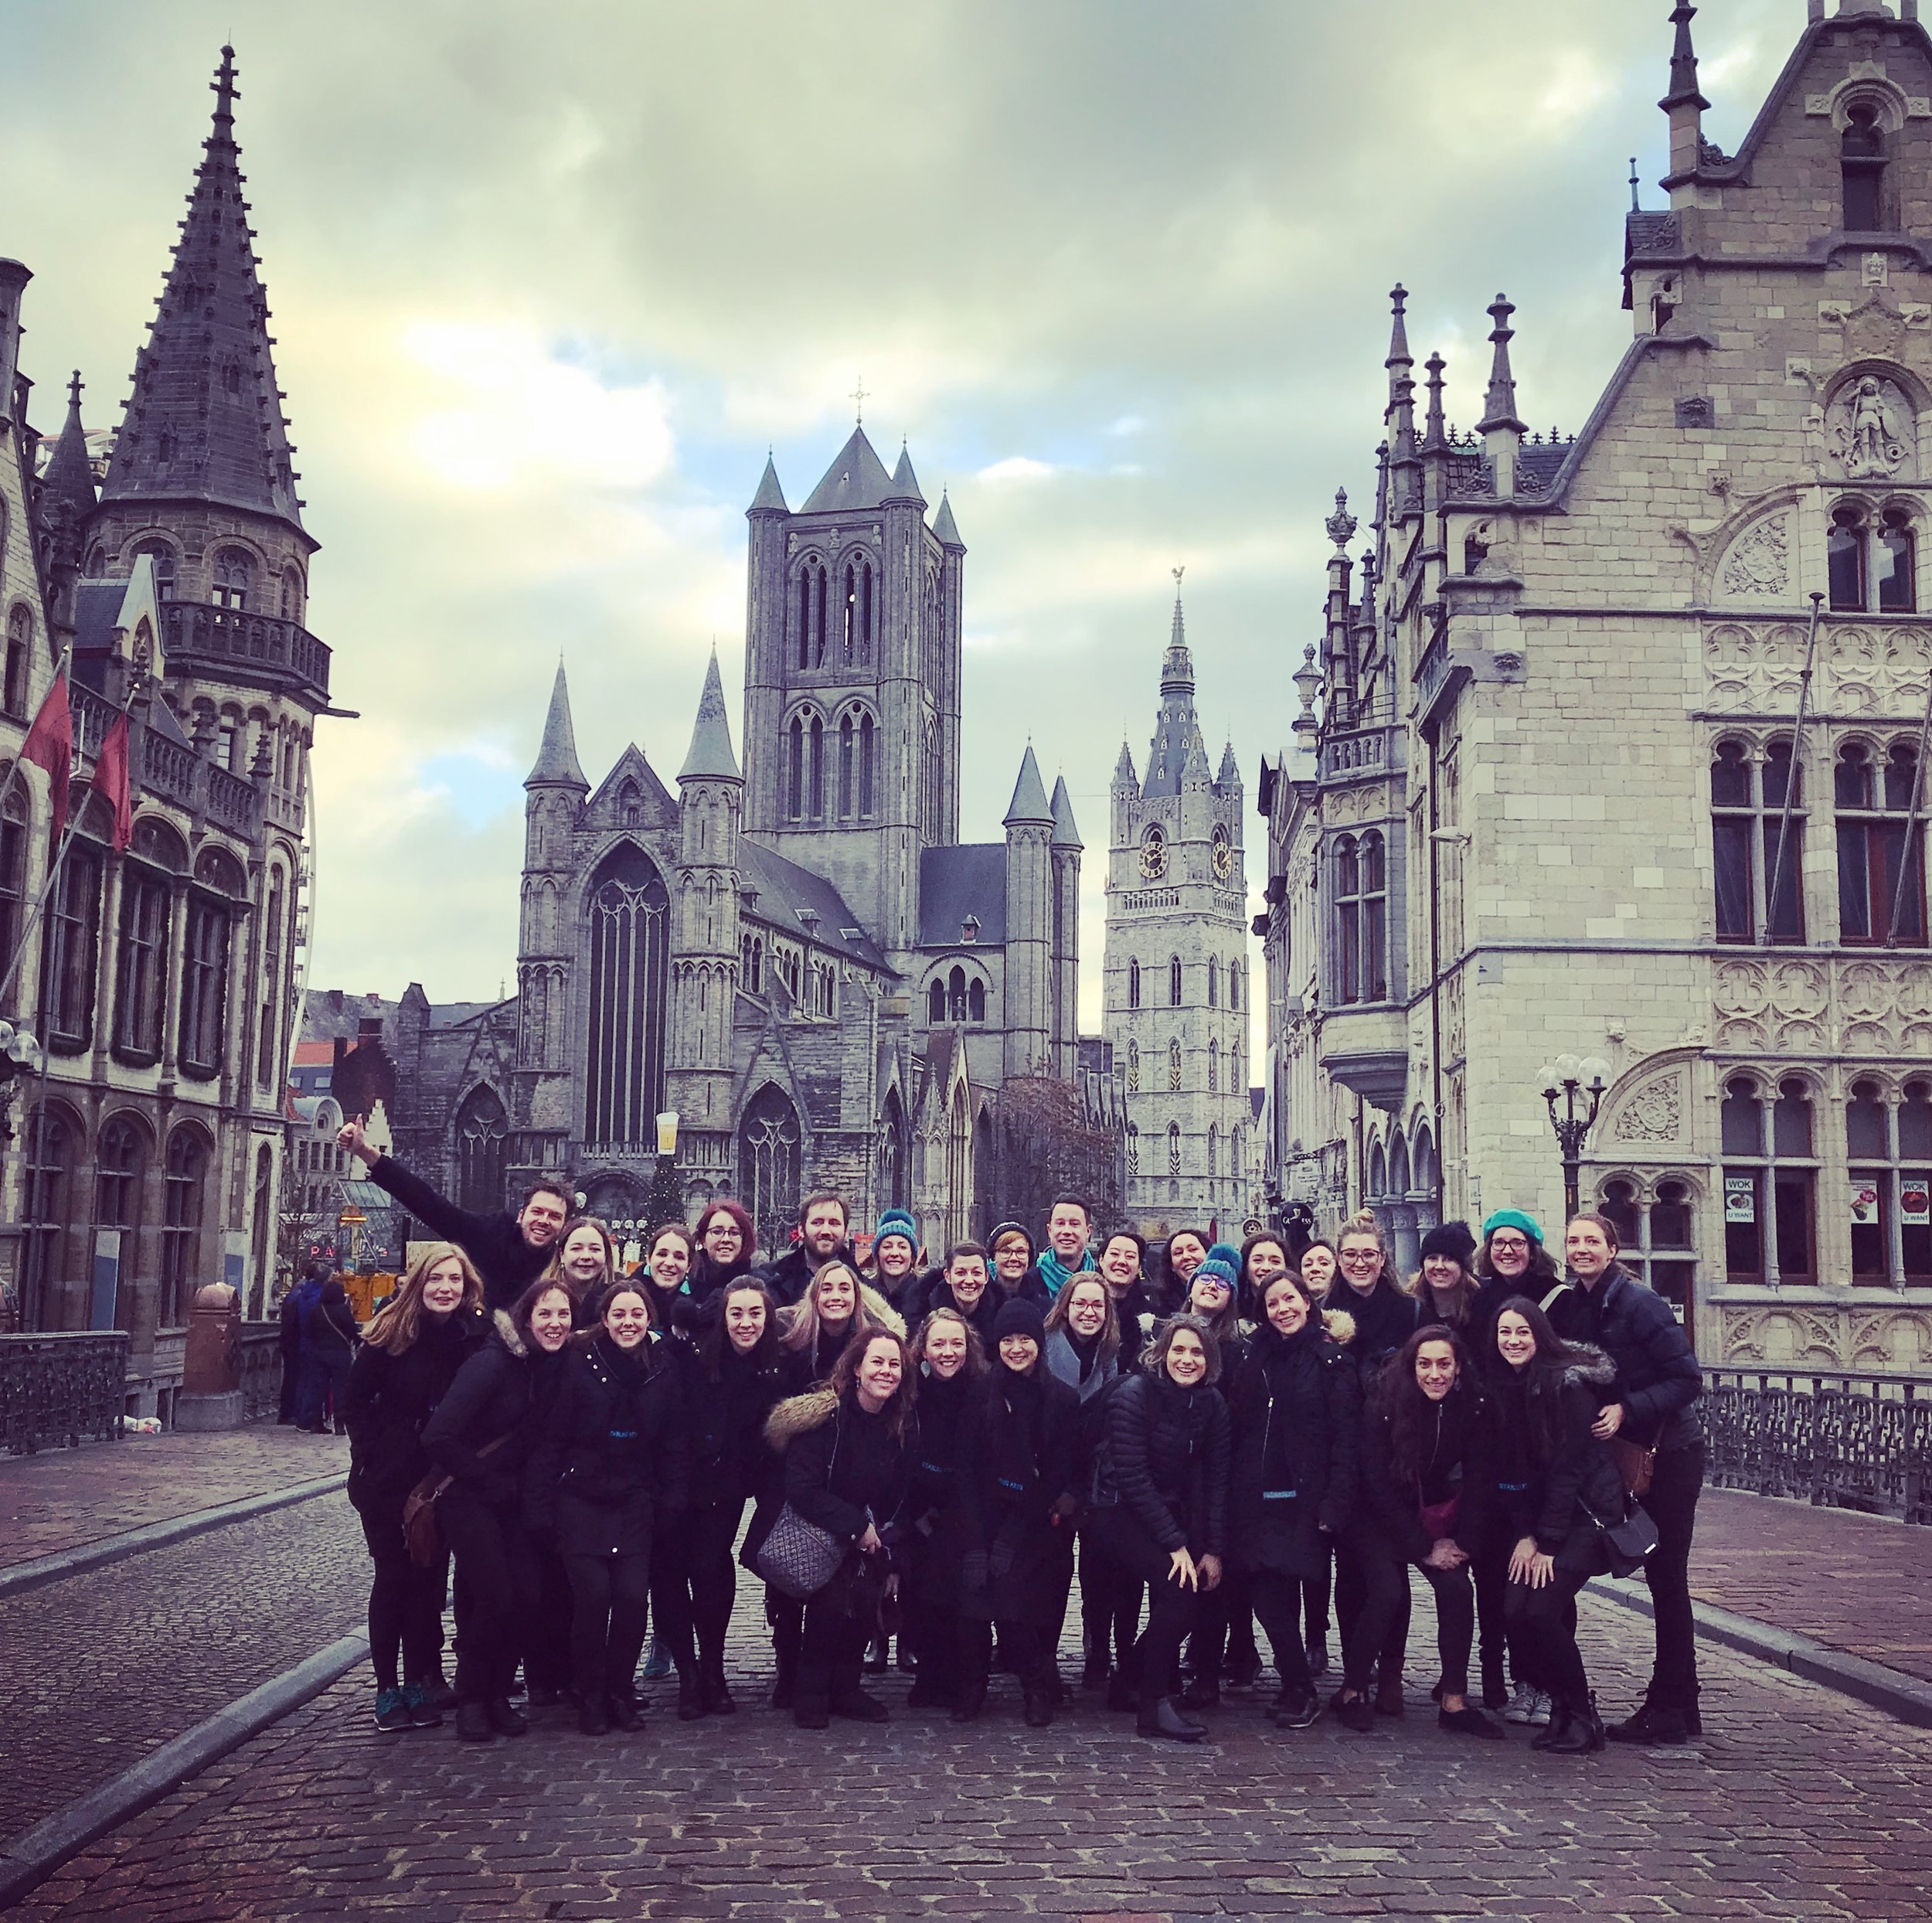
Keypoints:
(853, 683)
(1176, 972)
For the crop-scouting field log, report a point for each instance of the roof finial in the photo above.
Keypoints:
(1178, 572)
(1432, 431)
(1499, 406)
(1636, 206)
(1341, 525)
(1683, 62)
(224, 88)
(74, 389)
(859, 401)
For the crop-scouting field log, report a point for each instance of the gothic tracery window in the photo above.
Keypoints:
(628, 934)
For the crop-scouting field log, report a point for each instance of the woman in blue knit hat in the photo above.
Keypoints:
(895, 1256)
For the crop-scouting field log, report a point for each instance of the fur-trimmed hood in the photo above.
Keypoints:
(1590, 1365)
(798, 1415)
(881, 1311)
(1339, 1326)
(506, 1333)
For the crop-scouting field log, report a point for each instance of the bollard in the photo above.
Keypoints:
(211, 1389)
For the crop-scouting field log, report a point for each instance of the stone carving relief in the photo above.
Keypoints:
(1873, 428)
(1753, 670)
(1863, 670)
(1859, 1006)
(1656, 1112)
(1885, 1341)
(1758, 567)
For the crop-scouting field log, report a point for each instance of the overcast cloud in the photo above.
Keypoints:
(546, 283)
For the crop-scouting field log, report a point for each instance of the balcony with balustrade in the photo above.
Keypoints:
(252, 650)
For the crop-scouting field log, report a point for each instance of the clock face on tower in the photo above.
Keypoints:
(1223, 856)
(1153, 855)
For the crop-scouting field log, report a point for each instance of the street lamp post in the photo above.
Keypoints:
(1575, 1080)
(667, 1199)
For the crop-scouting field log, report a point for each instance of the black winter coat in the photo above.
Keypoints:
(1552, 1492)
(1018, 1488)
(494, 1242)
(329, 1329)
(935, 1529)
(1295, 1408)
(1164, 1459)
(1384, 1319)
(789, 1275)
(389, 1399)
(937, 1292)
(489, 1400)
(844, 1469)
(1453, 1465)
(1657, 1378)
(724, 1422)
(613, 1455)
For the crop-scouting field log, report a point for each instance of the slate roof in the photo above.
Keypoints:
(857, 479)
(1029, 802)
(784, 888)
(711, 752)
(557, 754)
(944, 527)
(967, 879)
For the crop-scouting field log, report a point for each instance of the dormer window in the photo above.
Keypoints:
(969, 929)
(1862, 164)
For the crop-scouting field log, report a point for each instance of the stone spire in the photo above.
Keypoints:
(770, 498)
(711, 756)
(1124, 773)
(905, 483)
(1065, 835)
(1434, 435)
(67, 488)
(1029, 804)
(1499, 406)
(944, 526)
(1683, 62)
(205, 422)
(1230, 769)
(556, 756)
(1174, 725)
(1399, 417)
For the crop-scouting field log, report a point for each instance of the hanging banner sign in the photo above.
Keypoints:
(1740, 1198)
(1915, 1201)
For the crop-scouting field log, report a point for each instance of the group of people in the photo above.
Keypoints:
(1267, 1434)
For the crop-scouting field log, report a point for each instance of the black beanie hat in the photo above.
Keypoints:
(1019, 1317)
(1452, 1239)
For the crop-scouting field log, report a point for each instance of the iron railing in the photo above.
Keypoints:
(57, 1391)
(1826, 1436)
(261, 1383)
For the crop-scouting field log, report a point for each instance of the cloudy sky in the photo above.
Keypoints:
(547, 282)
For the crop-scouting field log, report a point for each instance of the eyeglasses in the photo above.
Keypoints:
(1510, 1242)
(1362, 1255)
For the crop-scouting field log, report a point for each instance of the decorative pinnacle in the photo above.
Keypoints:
(224, 88)
(1399, 331)
(1499, 405)
(1432, 436)
(1341, 525)
(1683, 62)
(1636, 205)
(74, 389)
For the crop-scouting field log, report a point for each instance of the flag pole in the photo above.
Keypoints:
(61, 855)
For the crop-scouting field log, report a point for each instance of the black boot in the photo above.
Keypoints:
(691, 1703)
(505, 1719)
(1120, 1693)
(1161, 1718)
(592, 1718)
(626, 1712)
(1652, 1725)
(972, 1700)
(1581, 1733)
(473, 1721)
(1555, 1734)
(1039, 1709)
(717, 1691)
(1202, 1693)
(785, 1688)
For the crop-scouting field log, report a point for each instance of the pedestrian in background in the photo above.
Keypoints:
(330, 1334)
(411, 1351)
(302, 1295)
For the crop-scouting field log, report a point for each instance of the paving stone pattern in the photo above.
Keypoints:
(62, 1499)
(1799, 1804)
(99, 1669)
(1852, 1582)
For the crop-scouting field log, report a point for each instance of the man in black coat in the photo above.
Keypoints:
(823, 1238)
(510, 1251)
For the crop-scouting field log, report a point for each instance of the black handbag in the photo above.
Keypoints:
(797, 1557)
(1627, 1543)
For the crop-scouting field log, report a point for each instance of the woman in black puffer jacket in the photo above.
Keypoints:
(731, 1380)
(1295, 1404)
(612, 1458)
(411, 1351)
(1424, 1490)
(1161, 1502)
(1557, 1480)
(479, 1437)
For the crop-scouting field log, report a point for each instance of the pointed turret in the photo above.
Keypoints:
(1399, 417)
(1124, 773)
(711, 756)
(1684, 105)
(1030, 803)
(1175, 725)
(1230, 769)
(1195, 768)
(557, 757)
(905, 483)
(944, 526)
(770, 498)
(205, 422)
(1065, 834)
(67, 488)
(856, 479)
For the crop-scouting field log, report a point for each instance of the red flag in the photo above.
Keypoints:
(110, 776)
(50, 745)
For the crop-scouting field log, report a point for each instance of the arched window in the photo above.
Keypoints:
(234, 577)
(1234, 987)
(70, 949)
(815, 770)
(13, 869)
(1174, 982)
(1133, 1150)
(1897, 556)
(141, 961)
(1214, 1068)
(629, 918)
(162, 556)
(868, 761)
(1657, 1237)
(268, 1027)
(201, 1036)
(19, 660)
(1862, 168)
(1134, 985)
(795, 770)
(811, 614)
(935, 1002)
(1770, 1182)
(1890, 1149)
(121, 1163)
(1881, 849)
(848, 768)
(1213, 1151)
(1174, 1064)
(1235, 1168)
(183, 1179)
(1361, 909)
(1214, 985)
(1173, 1148)
(1133, 1068)
(1747, 824)
(482, 1145)
(976, 1000)
(849, 616)
(1871, 561)
(46, 1212)
(956, 995)
(291, 595)
(262, 1246)
(769, 1141)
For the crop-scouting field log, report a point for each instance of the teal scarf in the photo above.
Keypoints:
(1055, 1273)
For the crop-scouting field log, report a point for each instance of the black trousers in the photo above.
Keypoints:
(1489, 1569)
(546, 1637)
(1368, 1642)
(1280, 1601)
(937, 1635)
(1384, 1628)
(832, 1648)
(1224, 1632)
(1315, 1592)
(610, 1604)
(1109, 1601)
(1676, 1483)
(1028, 1648)
(694, 1582)
(496, 1590)
(1542, 1627)
(405, 1602)
(1172, 1610)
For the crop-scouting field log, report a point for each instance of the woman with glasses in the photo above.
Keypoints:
(726, 1244)
(1512, 1261)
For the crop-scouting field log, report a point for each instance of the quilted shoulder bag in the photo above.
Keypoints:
(797, 1557)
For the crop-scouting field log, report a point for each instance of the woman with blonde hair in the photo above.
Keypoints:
(411, 1351)
(837, 1305)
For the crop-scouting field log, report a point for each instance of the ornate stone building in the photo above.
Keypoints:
(1176, 969)
(798, 955)
(147, 1160)
(1616, 747)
